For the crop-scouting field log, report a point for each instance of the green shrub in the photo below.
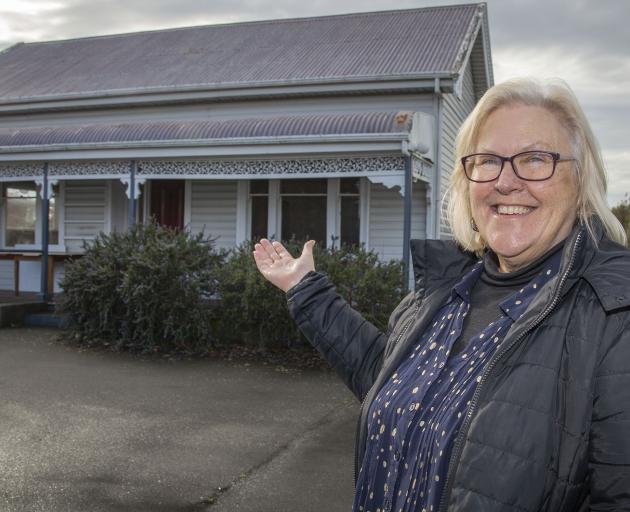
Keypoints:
(148, 289)
(252, 310)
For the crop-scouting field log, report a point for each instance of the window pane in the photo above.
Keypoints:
(259, 217)
(303, 187)
(349, 185)
(304, 218)
(349, 220)
(259, 187)
(21, 190)
(20, 226)
(53, 231)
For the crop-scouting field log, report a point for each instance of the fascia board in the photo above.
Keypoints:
(321, 148)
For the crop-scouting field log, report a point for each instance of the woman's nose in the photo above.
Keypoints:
(508, 181)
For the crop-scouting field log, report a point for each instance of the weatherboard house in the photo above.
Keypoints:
(340, 128)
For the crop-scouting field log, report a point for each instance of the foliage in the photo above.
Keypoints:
(252, 309)
(622, 212)
(148, 289)
(152, 289)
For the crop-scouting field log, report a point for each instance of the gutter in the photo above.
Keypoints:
(240, 141)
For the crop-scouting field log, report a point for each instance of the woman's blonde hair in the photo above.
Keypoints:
(556, 96)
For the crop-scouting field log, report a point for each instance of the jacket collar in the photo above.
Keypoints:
(437, 262)
(604, 264)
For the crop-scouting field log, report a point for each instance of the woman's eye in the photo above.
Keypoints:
(536, 158)
(488, 162)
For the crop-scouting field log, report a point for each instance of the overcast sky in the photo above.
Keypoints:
(585, 42)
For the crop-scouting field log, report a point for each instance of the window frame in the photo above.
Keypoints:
(333, 208)
(59, 246)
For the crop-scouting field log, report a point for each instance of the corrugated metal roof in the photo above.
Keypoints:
(369, 45)
(284, 126)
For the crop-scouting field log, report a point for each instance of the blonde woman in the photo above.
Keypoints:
(503, 383)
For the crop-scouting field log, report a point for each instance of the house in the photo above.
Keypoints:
(340, 128)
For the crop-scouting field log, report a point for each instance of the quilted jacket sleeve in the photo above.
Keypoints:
(610, 429)
(353, 346)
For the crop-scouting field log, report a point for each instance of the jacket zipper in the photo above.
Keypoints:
(457, 449)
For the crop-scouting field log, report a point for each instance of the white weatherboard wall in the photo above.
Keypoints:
(6, 275)
(454, 112)
(213, 211)
(386, 219)
(85, 212)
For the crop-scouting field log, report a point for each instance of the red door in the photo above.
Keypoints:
(167, 203)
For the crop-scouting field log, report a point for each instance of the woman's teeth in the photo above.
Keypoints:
(513, 210)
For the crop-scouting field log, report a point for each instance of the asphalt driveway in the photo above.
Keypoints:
(90, 431)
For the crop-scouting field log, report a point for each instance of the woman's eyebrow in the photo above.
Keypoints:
(527, 147)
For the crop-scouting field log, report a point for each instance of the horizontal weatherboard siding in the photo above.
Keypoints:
(213, 211)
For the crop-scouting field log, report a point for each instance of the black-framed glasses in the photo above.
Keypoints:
(528, 165)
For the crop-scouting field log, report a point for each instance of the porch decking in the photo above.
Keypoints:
(28, 308)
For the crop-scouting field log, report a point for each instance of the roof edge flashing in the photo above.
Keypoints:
(240, 141)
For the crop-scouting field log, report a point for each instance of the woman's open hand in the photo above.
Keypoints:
(278, 266)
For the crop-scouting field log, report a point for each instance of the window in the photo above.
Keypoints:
(22, 211)
(304, 209)
(259, 197)
(53, 220)
(350, 220)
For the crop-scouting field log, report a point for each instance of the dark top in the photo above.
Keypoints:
(492, 288)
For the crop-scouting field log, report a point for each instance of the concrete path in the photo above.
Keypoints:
(84, 431)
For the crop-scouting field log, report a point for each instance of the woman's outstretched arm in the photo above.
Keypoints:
(352, 345)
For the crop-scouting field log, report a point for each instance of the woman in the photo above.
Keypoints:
(504, 380)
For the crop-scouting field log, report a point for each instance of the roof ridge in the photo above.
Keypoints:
(250, 22)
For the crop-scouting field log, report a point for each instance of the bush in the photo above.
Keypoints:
(152, 289)
(148, 289)
(251, 309)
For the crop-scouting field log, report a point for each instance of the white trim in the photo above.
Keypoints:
(164, 151)
(3, 217)
(274, 218)
(242, 200)
(187, 203)
(147, 202)
(65, 177)
(333, 212)
(248, 210)
(209, 143)
(364, 212)
(205, 177)
(107, 227)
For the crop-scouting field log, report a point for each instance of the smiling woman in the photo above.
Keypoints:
(521, 218)
(502, 383)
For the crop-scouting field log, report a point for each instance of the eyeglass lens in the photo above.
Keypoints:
(532, 165)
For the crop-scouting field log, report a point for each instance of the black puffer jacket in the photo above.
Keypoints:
(548, 428)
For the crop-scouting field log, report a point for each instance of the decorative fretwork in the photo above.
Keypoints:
(88, 168)
(275, 167)
(21, 170)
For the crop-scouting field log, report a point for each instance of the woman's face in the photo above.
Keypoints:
(520, 220)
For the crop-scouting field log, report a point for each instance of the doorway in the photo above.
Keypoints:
(167, 202)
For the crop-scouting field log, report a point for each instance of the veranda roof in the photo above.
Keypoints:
(309, 125)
